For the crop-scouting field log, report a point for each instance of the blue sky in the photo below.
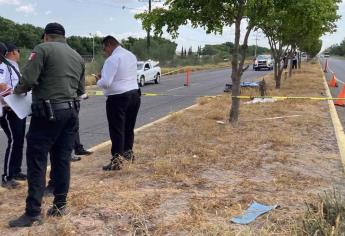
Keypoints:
(116, 17)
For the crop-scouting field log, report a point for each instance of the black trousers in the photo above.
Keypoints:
(14, 129)
(57, 138)
(77, 145)
(122, 110)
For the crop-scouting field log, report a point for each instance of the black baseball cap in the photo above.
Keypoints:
(3, 49)
(11, 47)
(54, 28)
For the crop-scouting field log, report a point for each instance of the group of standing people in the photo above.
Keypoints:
(55, 73)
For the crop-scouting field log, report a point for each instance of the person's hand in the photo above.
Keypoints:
(97, 77)
(3, 87)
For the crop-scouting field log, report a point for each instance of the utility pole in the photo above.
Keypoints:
(256, 43)
(93, 46)
(148, 43)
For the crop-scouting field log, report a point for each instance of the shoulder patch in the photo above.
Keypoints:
(32, 56)
(1, 71)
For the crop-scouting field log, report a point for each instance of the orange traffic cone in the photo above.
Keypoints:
(341, 102)
(326, 66)
(333, 82)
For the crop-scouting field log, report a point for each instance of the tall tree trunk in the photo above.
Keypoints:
(235, 102)
(237, 67)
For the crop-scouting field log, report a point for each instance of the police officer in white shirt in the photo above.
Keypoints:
(118, 79)
(13, 126)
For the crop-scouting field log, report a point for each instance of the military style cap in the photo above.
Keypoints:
(54, 28)
(3, 49)
(11, 47)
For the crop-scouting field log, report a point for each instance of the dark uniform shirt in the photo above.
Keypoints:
(54, 72)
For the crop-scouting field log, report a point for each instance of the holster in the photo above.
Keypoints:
(43, 110)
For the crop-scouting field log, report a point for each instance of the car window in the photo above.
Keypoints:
(147, 66)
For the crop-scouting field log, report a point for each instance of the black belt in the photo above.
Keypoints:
(64, 105)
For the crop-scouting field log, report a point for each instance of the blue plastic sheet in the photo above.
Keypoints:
(249, 84)
(254, 210)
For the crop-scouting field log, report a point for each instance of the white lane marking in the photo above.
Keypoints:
(175, 88)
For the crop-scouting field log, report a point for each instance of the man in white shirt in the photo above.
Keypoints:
(13, 126)
(119, 81)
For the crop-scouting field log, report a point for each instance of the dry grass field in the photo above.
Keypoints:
(192, 174)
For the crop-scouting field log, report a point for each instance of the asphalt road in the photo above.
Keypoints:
(93, 123)
(337, 66)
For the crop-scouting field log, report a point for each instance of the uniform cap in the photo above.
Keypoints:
(54, 28)
(11, 47)
(3, 49)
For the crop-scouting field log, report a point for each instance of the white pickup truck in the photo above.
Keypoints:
(148, 71)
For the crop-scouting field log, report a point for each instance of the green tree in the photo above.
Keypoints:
(212, 15)
(295, 23)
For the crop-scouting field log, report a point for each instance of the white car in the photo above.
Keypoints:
(263, 62)
(148, 71)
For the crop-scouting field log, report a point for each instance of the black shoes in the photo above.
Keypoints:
(115, 163)
(82, 152)
(20, 177)
(26, 221)
(129, 155)
(75, 158)
(10, 184)
(55, 211)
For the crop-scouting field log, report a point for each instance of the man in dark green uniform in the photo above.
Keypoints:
(55, 74)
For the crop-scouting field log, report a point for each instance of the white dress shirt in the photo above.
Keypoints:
(119, 72)
(9, 77)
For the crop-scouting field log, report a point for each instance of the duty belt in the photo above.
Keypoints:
(64, 105)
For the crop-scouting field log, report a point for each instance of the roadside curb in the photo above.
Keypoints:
(106, 143)
(338, 128)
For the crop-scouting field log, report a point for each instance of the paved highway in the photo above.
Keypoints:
(93, 123)
(337, 66)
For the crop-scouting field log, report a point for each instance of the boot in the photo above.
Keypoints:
(55, 211)
(26, 221)
(129, 155)
(115, 163)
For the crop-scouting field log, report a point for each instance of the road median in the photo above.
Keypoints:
(194, 170)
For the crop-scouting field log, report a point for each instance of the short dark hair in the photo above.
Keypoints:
(110, 40)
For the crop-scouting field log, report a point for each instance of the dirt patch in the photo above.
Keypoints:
(198, 173)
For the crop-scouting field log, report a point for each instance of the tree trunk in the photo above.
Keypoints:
(237, 67)
(299, 60)
(290, 68)
(235, 102)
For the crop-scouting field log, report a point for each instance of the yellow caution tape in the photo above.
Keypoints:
(287, 97)
(100, 93)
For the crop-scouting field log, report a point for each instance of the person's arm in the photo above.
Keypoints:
(31, 71)
(81, 84)
(108, 72)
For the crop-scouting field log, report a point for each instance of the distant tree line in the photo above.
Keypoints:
(337, 49)
(164, 50)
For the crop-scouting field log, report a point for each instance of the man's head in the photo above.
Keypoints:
(13, 53)
(53, 31)
(3, 51)
(109, 43)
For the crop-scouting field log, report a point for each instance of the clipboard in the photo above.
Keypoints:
(20, 104)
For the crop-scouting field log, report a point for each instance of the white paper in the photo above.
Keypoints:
(20, 104)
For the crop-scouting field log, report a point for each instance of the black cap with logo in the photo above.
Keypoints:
(11, 47)
(54, 28)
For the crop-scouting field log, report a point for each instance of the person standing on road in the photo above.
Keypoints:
(119, 81)
(12, 125)
(55, 74)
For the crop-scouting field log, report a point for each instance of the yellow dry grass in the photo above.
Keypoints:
(193, 174)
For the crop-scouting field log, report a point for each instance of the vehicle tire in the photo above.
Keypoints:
(158, 78)
(142, 81)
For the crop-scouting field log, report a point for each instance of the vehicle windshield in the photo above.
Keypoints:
(263, 57)
(140, 66)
